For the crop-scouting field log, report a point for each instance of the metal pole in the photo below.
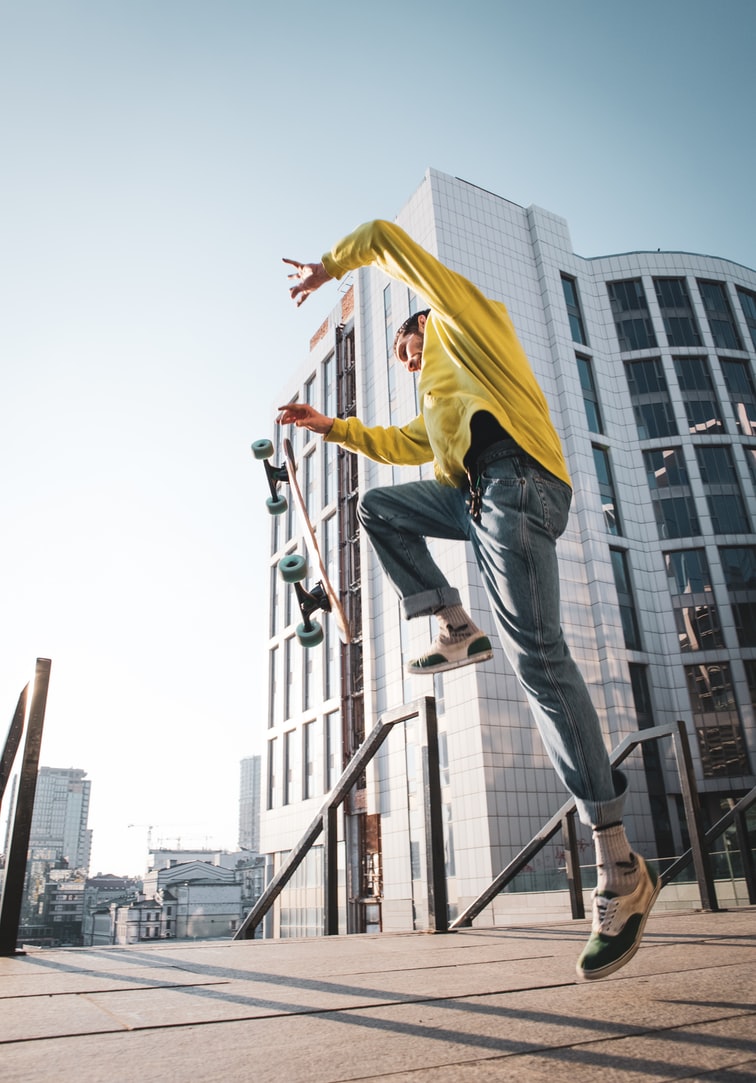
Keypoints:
(331, 871)
(694, 820)
(15, 870)
(435, 862)
(13, 740)
(572, 861)
(746, 856)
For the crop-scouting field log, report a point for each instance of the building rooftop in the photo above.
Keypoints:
(481, 1004)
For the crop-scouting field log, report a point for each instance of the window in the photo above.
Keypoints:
(329, 386)
(717, 722)
(289, 765)
(388, 324)
(737, 377)
(719, 314)
(641, 696)
(635, 330)
(748, 304)
(332, 749)
(308, 760)
(273, 596)
(307, 482)
(665, 468)
(699, 398)
(722, 488)
(329, 463)
(650, 397)
(590, 397)
(696, 616)
(739, 566)
(688, 571)
(574, 313)
(606, 490)
(289, 704)
(677, 312)
(273, 687)
(310, 399)
(272, 753)
(750, 672)
(630, 629)
(308, 679)
(646, 378)
(674, 506)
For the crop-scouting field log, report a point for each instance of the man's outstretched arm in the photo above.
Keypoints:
(308, 278)
(304, 417)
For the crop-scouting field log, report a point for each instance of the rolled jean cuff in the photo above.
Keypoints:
(428, 602)
(601, 813)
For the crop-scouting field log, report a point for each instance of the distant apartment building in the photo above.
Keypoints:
(60, 838)
(647, 361)
(61, 813)
(249, 804)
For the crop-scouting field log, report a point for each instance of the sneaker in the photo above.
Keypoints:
(445, 654)
(618, 923)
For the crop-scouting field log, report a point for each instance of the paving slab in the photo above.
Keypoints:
(480, 1004)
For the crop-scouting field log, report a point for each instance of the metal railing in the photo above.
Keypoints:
(564, 820)
(20, 829)
(697, 853)
(326, 823)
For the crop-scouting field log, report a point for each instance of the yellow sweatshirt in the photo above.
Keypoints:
(472, 361)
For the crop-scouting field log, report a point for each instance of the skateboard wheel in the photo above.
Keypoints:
(276, 505)
(312, 636)
(293, 568)
(262, 449)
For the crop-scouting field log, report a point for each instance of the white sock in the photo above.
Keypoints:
(454, 623)
(617, 869)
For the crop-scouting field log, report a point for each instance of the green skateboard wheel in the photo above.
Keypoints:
(310, 637)
(293, 568)
(262, 449)
(276, 505)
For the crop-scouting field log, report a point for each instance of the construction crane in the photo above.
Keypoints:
(150, 828)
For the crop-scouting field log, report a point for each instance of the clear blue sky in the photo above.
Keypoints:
(159, 158)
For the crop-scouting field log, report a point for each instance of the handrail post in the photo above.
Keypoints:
(435, 862)
(331, 871)
(694, 819)
(13, 740)
(15, 870)
(572, 863)
(744, 845)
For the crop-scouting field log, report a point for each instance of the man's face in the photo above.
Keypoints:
(409, 348)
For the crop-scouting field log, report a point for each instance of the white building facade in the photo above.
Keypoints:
(647, 361)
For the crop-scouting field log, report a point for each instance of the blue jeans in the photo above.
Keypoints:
(523, 511)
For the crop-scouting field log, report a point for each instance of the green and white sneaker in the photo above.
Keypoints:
(618, 924)
(445, 653)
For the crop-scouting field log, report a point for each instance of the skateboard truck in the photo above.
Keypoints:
(276, 502)
(293, 570)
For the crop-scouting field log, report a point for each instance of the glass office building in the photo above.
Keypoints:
(647, 361)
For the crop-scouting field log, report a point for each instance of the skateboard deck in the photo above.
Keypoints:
(293, 568)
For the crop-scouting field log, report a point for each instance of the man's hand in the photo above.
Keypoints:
(309, 277)
(304, 417)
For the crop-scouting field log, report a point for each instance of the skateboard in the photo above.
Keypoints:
(293, 568)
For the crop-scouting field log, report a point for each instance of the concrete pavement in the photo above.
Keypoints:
(478, 1005)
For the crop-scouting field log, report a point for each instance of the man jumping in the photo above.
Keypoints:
(501, 483)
